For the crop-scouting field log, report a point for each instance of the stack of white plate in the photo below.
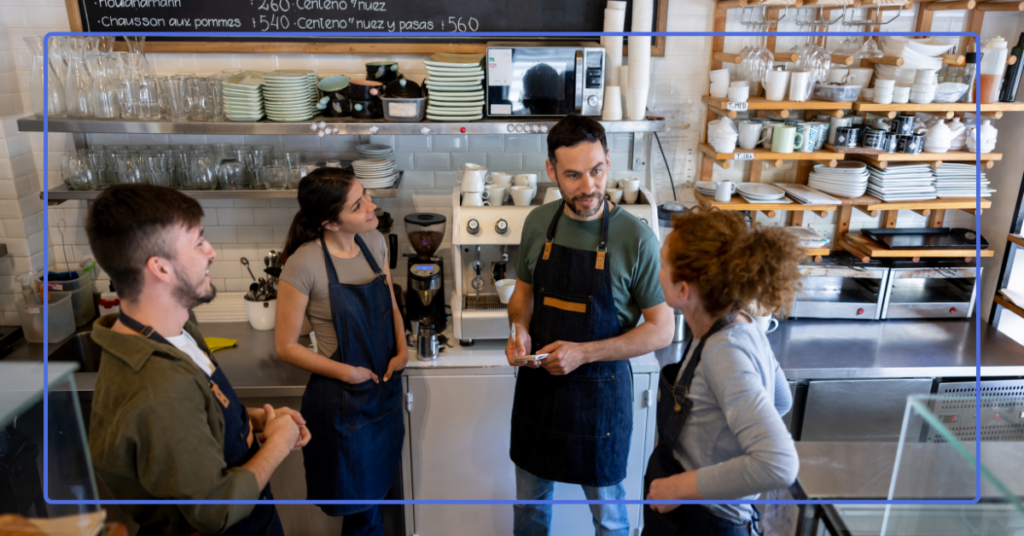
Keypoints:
(807, 195)
(455, 90)
(706, 187)
(847, 179)
(755, 192)
(243, 96)
(375, 172)
(902, 182)
(290, 95)
(370, 151)
(959, 180)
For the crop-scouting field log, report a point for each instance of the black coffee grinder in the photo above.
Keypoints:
(425, 293)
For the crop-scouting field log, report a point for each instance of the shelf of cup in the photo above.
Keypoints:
(881, 160)
(1008, 305)
(738, 203)
(767, 154)
(948, 108)
(61, 193)
(760, 103)
(1016, 239)
(860, 246)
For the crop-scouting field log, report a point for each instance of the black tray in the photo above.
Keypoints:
(925, 238)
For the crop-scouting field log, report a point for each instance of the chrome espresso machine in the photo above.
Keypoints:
(485, 241)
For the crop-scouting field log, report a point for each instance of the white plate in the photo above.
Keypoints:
(807, 195)
(454, 117)
(454, 79)
(449, 59)
(765, 191)
(780, 201)
(454, 112)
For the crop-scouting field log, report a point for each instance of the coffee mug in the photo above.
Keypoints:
(806, 137)
(472, 181)
(500, 179)
(475, 199)
(552, 194)
(751, 134)
(822, 129)
(630, 190)
(614, 195)
(839, 76)
(471, 167)
(783, 138)
(525, 179)
(522, 195)
(724, 191)
(767, 323)
(610, 183)
(769, 129)
(902, 124)
(834, 123)
(496, 194)
(799, 86)
(846, 137)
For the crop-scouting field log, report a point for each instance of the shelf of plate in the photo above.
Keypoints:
(721, 106)
(1008, 305)
(1017, 239)
(947, 108)
(823, 157)
(866, 249)
(738, 203)
(882, 160)
(967, 204)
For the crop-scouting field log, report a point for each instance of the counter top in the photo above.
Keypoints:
(848, 349)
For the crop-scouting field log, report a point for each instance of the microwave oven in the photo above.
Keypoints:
(544, 79)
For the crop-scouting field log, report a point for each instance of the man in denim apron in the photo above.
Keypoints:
(586, 271)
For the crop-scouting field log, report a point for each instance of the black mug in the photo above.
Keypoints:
(846, 136)
(912, 144)
(892, 142)
(873, 138)
(370, 109)
(902, 125)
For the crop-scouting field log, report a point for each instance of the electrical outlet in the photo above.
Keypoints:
(824, 229)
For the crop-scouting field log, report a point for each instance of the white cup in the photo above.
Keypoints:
(261, 315)
(799, 86)
(767, 323)
(500, 179)
(610, 183)
(739, 94)
(776, 85)
(770, 128)
(552, 194)
(614, 195)
(472, 181)
(861, 76)
(631, 184)
(751, 134)
(525, 179)
(505, 289)
(838, 75)
(720, 76)
(612, 110)
(881, 83)
(496, 194)
(724, 143)
(883, 96)
(739, 83)
(724, 191)
(471, 167)
(522, 195)
(475, 199)
(900, 94)
(719, 90)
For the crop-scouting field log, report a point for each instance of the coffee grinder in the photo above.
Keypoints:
(425, 297)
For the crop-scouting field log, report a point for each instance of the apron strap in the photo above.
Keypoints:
(687, 378)
(602, 246)
(332, 274)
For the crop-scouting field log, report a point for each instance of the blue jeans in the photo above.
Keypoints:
(535, 519)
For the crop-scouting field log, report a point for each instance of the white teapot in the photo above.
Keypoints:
(959, 133)
(937, 137)
(986, 133)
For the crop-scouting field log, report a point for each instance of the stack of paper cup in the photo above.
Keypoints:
(640, 59)
(614, 21)
(612, 104)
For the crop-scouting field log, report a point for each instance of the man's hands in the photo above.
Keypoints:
(563, 357)
(519, 346)
(283, 427)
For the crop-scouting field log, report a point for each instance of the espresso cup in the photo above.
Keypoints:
(496, 194)
(475, 199)
(552, 194)
(471, 167)
(610, 183)
(614, 195)
(724, 190)
(767, 323)
(500, 179)
(522, 195)
(630, 190)
(472, 181)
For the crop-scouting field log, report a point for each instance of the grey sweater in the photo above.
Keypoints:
(734, 434)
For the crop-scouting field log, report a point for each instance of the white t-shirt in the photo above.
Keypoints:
(187, 344)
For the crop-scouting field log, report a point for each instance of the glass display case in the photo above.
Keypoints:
(68, 469)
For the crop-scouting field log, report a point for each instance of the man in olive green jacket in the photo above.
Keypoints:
(166, 424)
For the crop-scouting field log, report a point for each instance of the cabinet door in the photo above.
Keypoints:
(576, 518)
(459, 438)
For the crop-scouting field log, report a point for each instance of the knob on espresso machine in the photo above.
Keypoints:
(501, 226)
(473, 226)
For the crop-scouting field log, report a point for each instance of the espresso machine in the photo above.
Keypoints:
(424, 299)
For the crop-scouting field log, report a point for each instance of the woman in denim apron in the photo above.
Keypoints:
(352, 402)
(719, 409)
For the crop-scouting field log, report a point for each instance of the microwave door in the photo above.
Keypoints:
(542, 82)
(579, 81)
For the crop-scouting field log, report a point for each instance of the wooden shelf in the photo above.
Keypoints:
(767, 154)
(1017, 239)
(738, 203)
(948, 108)
(1008, 305)
(861, 245)
(760, 103)
(882, 160)
(966, 203)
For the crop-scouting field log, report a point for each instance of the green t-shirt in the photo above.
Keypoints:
(634, 255)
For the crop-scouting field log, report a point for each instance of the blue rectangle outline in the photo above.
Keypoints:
(46, 230)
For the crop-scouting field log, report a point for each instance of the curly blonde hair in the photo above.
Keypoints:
(734, 265)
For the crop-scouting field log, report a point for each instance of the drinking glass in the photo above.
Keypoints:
(54, 97)
(174, 97)
(273, 177)
(202, 174)
(78, 86)
(231, 174)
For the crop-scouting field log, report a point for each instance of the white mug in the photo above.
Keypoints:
(768, 323)
(525, 179)
(610, 183)
(471, 167)
(751, 134)
(496, 194)
(630, 190)
(475, 199)
(724, 191)
(472, 181)
(500, 179)
(522, 195)
(552, 194)
(614, 195)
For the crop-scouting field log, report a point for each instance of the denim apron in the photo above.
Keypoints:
(239, 445)
(357, 428)
(673, 409)
(574, 428)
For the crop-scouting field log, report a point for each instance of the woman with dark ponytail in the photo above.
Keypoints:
(720, 429)
(336, 275)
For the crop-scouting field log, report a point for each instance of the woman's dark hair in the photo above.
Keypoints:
(322, 195)
(128, 224)
(573, 129)
(734, 265)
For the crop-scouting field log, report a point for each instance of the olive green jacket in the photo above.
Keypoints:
(157, 432)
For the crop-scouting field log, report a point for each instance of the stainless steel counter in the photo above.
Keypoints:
(848, 349)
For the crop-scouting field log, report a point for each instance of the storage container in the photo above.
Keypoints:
(60, 317)
(404, 110)
(836, 93)
(261, 314)
(82, 303)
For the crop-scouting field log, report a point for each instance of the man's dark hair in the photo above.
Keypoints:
(573, 129)
(127, 225)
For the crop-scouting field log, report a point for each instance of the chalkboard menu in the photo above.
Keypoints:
(340, 16)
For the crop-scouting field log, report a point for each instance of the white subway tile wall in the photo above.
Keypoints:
(240, 228)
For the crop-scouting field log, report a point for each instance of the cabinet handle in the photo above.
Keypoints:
(408, 402)
(648, 395)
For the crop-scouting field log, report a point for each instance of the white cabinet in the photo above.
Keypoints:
(457, 449)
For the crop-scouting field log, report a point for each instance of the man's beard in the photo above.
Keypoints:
(583, 213)
(189, 294)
